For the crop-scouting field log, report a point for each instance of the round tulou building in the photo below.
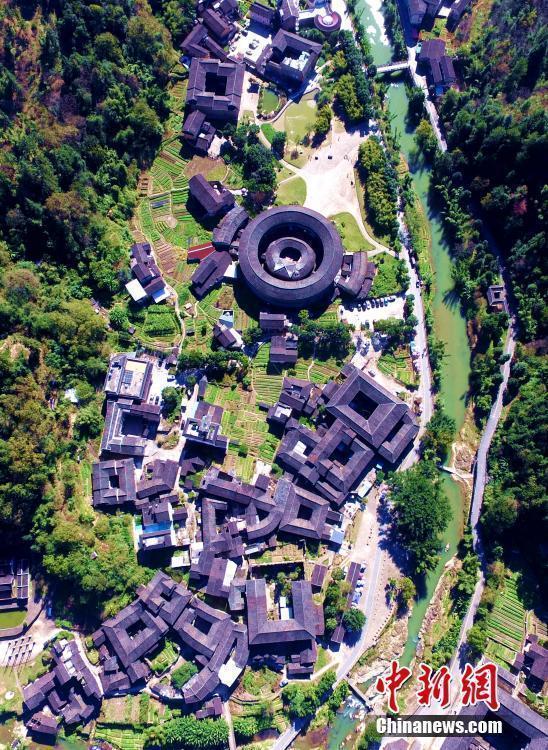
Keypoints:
(289, 256)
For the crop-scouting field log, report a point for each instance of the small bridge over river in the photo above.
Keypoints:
(392, 67)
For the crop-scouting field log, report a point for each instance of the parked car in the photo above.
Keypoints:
(284, 682)
(418, 284)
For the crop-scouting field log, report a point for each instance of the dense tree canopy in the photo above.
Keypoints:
(515, 506)
(381, 187)
(422, 513)
(497, 141)
(81, 108)
(353, 620)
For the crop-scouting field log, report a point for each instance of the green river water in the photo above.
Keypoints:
(449, 326)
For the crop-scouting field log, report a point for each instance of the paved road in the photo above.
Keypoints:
(420, 81)
(480, 469)
(425, 373)
(232, 744)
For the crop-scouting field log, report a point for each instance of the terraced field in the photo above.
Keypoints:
(399, 366)
(319, 373)
(123, 738)
(162, 216)
(506, 625)
(266, 384)
(245, 424)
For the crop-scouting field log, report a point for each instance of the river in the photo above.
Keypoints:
(449, 326)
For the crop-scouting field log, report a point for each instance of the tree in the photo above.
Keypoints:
(407, 589)
(322, 123)
(182, 674)
(370, 738)
(304, 700)
(381, 186)
(439, 435)
(330, 624)
(416, 100)
(477, 639)
(252, 335)
(171, 398)
(426, 139)
(189, 733)
(422, 513)
(301, 701)
(259, 172)
(245, 727)
(353, 620)
(119, 319)
(89, 422)
(278, 144)
(325, 340)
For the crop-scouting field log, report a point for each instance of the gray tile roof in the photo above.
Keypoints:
(229, 226)
(212, 197)
(209, 77)
(113, 483)
(128, 427)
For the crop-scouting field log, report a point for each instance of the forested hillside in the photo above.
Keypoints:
(495, 173)
(82, 102)
(496, 128)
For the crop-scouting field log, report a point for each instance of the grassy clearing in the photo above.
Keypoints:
(324, 657)
(386, 281)
(212, 169)
(351, 236)
(298, 119)
(268, 100)
(269, 131)
(291, 192)
(12, 618)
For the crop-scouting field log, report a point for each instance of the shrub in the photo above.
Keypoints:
(182, 674)
(245, 727)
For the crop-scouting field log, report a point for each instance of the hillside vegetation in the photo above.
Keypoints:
(82, 104)
(494, 175)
